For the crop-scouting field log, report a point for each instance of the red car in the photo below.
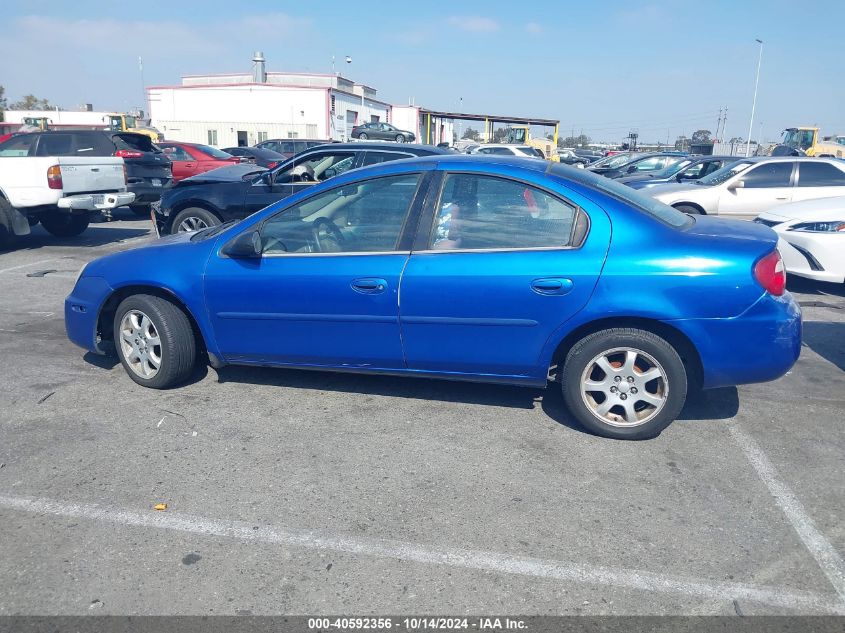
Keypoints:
(190, 159)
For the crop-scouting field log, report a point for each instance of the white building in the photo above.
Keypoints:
(247, 108)
(59, 118)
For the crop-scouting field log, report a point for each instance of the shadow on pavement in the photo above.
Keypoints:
(810, 287)
(827, 339)
(94, 235)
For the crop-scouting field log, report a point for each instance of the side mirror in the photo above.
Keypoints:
(245, 245)
(632, 169)
(739, 184)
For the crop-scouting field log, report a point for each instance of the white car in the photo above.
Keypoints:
(753, 185)
(812, 237)
(504, 149)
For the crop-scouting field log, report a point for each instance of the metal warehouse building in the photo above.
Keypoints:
(247, 108)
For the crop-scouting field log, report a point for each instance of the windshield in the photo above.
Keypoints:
(632, 197)
(617, 160)
(802, 139)
(721, 175)
(213, 152)
(671, 170)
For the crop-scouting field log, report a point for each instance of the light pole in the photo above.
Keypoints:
(754, 102)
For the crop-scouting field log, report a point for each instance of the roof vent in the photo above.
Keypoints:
(259, 72)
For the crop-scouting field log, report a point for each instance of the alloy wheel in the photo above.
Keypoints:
(140, 344)
(191, 224)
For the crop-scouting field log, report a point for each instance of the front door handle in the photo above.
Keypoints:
(369, 285)
(552, 285)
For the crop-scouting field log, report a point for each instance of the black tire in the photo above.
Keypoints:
(141, 210)
(688, 208)
(195, 217)
(363, 136)
(177, 350)
(672, 389)
(400, 138)
(7, 236)
(64, 224)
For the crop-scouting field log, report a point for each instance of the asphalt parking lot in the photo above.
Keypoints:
(308, 492)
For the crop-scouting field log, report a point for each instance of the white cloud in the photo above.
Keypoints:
(533, 27)
(475, 23)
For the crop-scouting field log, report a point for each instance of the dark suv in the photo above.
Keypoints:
(232, 193)
(148, 170)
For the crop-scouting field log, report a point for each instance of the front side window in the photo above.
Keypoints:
(486, 212)
(317, 167)
(363, 217)
(811, 174)
(725, 173)
(768, 175)
(174, 152)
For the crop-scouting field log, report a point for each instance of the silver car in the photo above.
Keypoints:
(750, 186)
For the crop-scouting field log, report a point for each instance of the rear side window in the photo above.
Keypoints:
(768, 175)
(486, 212)
(820, 175)
(93, 145)
(372, 158)
(18, 145)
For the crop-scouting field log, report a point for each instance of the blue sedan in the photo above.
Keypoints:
(492, 269)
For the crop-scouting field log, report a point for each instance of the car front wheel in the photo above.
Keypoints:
(154, 341)
(624, 383)
(688, 209)
(193, 219)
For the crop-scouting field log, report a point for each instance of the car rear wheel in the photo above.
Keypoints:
(141, 210)
(7, 235)
(363, 136)
(688, 208)
(154, 341)
(64, 224)
(400, 138)
(193, 219)
(624, 383)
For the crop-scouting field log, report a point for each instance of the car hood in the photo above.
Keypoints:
(232, 173)
(819, 210)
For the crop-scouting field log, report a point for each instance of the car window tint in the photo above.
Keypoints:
(360, 217)
(94, 145)
(811, 174)
(647, 164)
(768, 175)
(55, 144)
(288, 147)
(18, 145)
(372, 158)
(482, 212)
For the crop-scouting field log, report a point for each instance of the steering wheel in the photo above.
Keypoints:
(305, 177)
(331, 228)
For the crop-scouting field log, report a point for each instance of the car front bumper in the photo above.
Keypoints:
(82, 309)
(816, 256)
(95, 201)
(759, 345)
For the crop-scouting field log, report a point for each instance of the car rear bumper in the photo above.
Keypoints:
(146, 191)
(95, 201)
(82, 309)
(759, 345)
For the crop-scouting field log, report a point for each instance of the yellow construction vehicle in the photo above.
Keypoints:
(128, 123)
(521, 135)
(40, 123)
(804, 141)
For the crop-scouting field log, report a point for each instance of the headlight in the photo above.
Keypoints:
(836, 226)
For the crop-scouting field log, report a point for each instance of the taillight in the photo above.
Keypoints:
(771, 274)
(129, 153)
(54, 177)
(271, 164)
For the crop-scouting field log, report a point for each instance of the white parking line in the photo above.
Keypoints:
(453, 557)
(825, 554)
(42, 261)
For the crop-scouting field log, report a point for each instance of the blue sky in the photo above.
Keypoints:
(664, 67)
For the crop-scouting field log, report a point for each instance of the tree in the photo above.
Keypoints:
(2, 103)
(701, 136)
(736, 140)
(682, 143)
(574, 141)
(471, 134)
(31, 102)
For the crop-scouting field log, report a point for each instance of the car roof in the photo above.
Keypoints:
(385, 146)
(782, 159)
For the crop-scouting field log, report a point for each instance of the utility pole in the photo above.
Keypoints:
(754, 102)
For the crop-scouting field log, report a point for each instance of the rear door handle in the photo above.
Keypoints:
(369, 285)
(552, 285)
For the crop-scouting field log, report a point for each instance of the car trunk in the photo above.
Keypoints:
(144, 161)
(90, 174)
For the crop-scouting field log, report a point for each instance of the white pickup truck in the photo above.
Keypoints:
(60, 192)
